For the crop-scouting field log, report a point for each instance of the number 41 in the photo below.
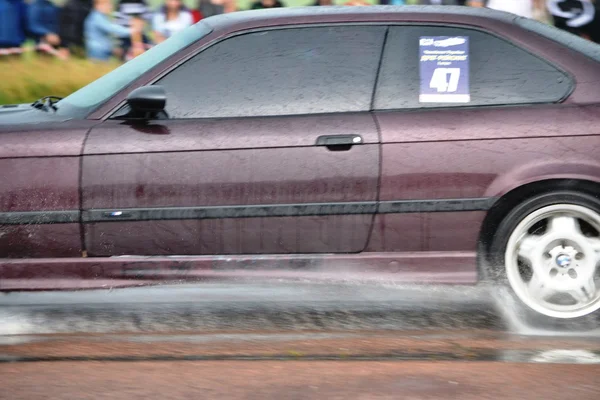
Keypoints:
(440, 80)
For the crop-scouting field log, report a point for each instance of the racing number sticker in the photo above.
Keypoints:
(444, 69)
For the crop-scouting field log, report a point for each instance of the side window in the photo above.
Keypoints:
(279, 72)
(498, 72)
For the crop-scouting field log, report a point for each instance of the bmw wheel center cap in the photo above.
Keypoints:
(563, 260)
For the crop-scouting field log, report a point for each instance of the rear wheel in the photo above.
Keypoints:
(547, 250)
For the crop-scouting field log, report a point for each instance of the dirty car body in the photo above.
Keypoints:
(293, 142)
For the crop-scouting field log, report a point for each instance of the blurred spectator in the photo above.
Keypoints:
(172, 18)
(594, 30)
(540, 11)
(261, 4)
(128, 9)
(43, 26)
(70, 27)
(392, 2)
(196, 15)
(323, 3)
(208, 8)
(524, 8)
(575, 16)
(439, 2)
(99, 31)
(133, 12)
(13, 25)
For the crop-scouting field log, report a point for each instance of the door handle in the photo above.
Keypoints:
(341, 142)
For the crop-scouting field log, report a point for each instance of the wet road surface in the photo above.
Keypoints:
(292, 306)
(248, 306)
(297, 340)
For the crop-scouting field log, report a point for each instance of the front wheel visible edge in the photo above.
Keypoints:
(547, 251)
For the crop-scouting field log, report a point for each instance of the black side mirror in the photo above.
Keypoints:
(147, 100)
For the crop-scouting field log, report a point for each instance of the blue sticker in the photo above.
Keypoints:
(444, 69)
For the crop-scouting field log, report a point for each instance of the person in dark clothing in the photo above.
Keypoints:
(574, 16)
(208, 8)
(262, 4)
(594, 29)
(13, 27)
(70, 27)
(323, 3)
(43, 26)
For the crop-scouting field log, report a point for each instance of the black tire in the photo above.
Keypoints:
(494, 269)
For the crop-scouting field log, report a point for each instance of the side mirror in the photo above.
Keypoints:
(147, 100)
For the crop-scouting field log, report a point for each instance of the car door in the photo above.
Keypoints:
(269, 148)
(39, 199)
(457, 141)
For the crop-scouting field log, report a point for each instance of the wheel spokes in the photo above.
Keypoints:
(563, 224)
(585, 293)
(538, 287)
(527, 247)
(553, 258)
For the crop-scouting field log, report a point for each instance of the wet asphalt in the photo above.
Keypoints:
(289, 306)
(273, 306)
(300, 340)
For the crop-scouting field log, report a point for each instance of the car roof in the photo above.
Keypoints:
(475, 16)
(296, 15)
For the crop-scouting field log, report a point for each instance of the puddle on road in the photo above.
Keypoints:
(567, 357)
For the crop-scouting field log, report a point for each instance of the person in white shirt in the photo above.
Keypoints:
(170, 19)
(524, 8)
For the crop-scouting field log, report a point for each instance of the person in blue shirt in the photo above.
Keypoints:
(100, 30)
(13, 27)
(70, 27)
(43, 24)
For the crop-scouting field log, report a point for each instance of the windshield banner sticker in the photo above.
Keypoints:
(444, 69)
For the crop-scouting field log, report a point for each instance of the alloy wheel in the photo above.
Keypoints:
(552, 259)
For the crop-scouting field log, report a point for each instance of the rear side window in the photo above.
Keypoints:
(499, 73)
(279, 72)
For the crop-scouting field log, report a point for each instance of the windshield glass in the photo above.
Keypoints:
(107, 86)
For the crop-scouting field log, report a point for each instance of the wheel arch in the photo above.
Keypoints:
(516, 195)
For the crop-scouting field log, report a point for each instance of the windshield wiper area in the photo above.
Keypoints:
(46, 103)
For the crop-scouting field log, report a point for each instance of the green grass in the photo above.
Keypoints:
(26, 80)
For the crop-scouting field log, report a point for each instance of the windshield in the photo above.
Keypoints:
(102, 89)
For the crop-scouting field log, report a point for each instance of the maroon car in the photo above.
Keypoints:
(423, 144)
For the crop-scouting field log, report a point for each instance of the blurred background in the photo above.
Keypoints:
(54, 47)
